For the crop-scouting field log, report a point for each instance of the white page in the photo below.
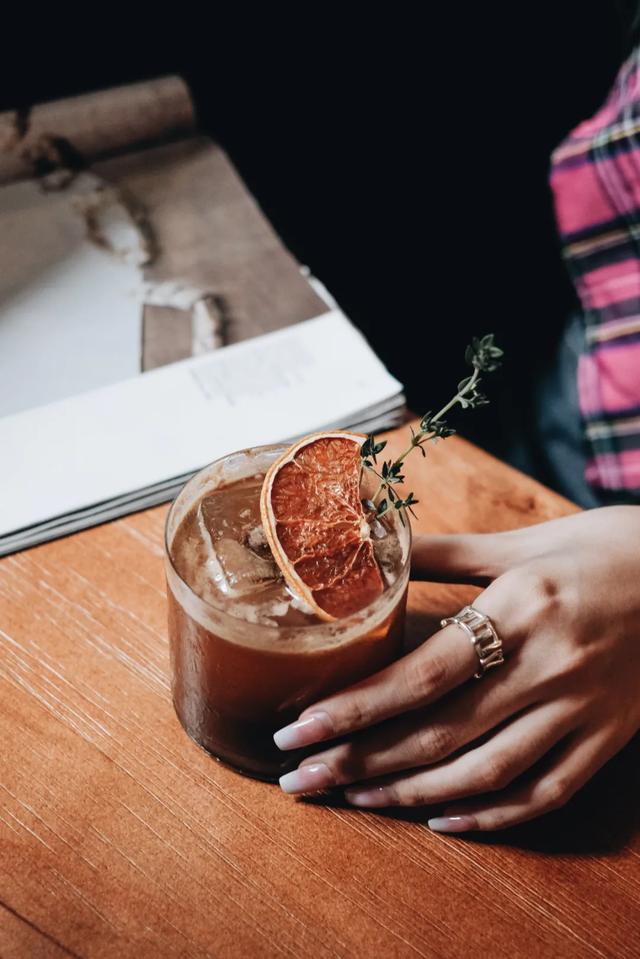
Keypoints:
(70, 312)
(109, 442)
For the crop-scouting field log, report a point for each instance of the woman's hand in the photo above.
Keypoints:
(564, 597)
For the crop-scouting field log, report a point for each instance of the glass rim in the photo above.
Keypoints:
(386, 601)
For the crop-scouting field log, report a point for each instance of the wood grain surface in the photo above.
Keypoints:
(119, 837)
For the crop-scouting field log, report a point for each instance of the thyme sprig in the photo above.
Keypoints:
(484, 357)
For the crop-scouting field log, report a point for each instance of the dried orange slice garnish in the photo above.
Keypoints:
(316, 526)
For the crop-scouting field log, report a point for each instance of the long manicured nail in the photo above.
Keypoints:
(378, 796)
(307, 779)
(452, 824)
(304, 732)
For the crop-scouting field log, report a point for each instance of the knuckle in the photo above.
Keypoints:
(542, 591)
(496, 773)
(496, 819)
(573, 671)
(425, 676)
(346, 765)
(355, 713)
(538, 591)
(574, 660)
(554, 793)
(406, 794)
(434, 742)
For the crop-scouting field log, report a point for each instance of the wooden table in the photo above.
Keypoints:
(119, 837)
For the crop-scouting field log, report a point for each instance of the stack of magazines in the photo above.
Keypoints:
(150, 319)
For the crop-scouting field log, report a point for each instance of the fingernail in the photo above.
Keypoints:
(452, 824)
(307, 779)
(379, 796)
(304, 732)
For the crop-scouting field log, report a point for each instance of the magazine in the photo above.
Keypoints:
(150, 317)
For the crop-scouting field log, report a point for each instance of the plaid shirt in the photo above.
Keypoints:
(595, 178)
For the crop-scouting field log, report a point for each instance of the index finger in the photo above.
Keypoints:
(440, 664)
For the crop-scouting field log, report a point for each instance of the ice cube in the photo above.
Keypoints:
(233, 568)
(257, 538)
(378, 531)
(388, 553)
(297, 602)
(230, 512)
(244, 569)
(213, 570)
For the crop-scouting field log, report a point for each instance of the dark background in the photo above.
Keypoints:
(404, 158)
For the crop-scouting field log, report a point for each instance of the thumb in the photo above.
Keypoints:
(466, 557)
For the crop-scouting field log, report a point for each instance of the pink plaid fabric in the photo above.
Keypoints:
(595, 177)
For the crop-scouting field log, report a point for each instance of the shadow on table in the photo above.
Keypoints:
(600, 820)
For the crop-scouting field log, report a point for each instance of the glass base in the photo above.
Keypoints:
(268, 765)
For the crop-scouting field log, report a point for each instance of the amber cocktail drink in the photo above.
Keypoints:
(247, 654)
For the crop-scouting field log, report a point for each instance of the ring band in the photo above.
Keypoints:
(483, 636)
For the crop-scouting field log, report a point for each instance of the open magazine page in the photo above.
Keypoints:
(129, 243)
(112, 447)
